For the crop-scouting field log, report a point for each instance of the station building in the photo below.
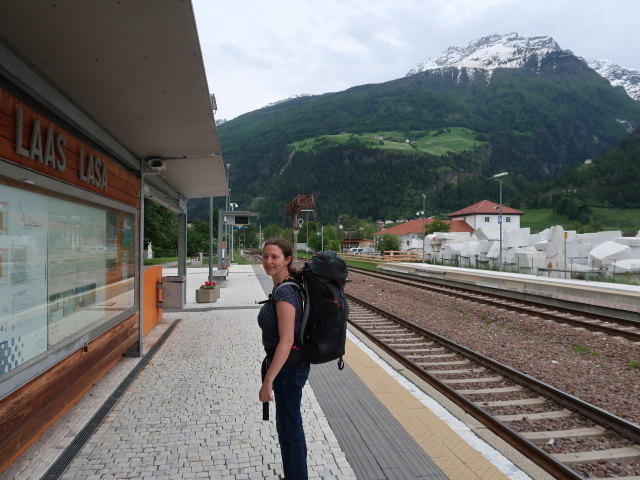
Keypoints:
(92, 94)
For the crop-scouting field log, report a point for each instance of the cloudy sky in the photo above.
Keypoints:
(257, 52)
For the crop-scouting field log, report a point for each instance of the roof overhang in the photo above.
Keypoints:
(135, 70)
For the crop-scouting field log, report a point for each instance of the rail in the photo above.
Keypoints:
(558, 465)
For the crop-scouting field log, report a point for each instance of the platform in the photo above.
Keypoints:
(604, 298)
(192, 411)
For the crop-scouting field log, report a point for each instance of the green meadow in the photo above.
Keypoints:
(436, 142)
(608, 218)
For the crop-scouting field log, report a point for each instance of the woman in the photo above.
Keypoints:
(288, 371)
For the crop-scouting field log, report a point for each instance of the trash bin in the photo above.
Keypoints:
(172, 292)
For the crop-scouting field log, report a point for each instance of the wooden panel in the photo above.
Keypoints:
(28, 412)
(71, 160)
(151, 314)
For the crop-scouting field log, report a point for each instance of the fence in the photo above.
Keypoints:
(390, 256)
(457, 261)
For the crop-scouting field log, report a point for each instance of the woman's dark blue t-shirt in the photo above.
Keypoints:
(267, 318)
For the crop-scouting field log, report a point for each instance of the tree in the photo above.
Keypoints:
(387, 242)
(250, 236)
(272, 230)
(198, 237)
(330, 239)
(160, 229)
(436, 225)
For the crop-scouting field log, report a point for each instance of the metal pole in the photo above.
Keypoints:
(232, 205)
(565, 255)
(424, 229)
(220, 237)
(182, 254)
(500, 222)
(226, 228)
(140, 345)
(211, 239)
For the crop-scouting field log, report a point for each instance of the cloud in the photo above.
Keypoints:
(257, 52)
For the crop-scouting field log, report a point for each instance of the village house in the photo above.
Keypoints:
(476, 240)
(410, 233)
(486, 214)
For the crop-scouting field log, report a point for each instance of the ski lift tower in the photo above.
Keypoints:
(294, 208)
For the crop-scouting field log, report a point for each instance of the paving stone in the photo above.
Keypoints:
(193, 412)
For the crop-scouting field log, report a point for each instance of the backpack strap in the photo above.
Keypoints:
(299, 340)
(293, 283)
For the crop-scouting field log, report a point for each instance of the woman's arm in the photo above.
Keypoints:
(286, 314)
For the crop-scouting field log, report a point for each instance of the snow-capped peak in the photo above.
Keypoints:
(618, 76)
(485, 54)
(493, 51)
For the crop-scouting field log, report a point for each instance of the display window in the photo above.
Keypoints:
(67, 273)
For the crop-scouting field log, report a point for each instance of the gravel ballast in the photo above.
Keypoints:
(597, 368)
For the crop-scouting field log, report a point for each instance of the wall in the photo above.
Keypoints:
(28, 412)
(39, 391)
(29, 139)
(151, 295)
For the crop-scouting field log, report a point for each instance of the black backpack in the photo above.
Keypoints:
(323, 330)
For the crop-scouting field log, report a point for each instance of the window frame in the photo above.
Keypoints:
(44, 361)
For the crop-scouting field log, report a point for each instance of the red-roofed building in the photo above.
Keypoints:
(410, 233)
(485, 213)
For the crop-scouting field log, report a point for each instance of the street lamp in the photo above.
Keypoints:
(424, 228)
(227, 232)
(232, 205)
(498, 176)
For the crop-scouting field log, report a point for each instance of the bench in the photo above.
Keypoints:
(220, 277)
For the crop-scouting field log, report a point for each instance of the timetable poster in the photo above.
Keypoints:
(23, 285)
(77, 268)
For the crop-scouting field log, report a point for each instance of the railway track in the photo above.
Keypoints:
(624, 328)
(569, 438)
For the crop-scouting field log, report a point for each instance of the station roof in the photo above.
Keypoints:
(134, 68)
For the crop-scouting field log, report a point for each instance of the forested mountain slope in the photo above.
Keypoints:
(609, 180)
(535, 122)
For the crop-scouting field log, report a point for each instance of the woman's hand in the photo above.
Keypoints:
(266, 391)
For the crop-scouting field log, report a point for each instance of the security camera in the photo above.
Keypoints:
(156, 164)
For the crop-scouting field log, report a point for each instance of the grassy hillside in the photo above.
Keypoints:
(434, 142)
(609, 218)
(616, 219)
(540, 218)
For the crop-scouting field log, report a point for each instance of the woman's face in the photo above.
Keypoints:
(275, 263)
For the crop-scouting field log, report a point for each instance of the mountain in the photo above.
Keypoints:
(486, 54)
(618, 76)
(534, 110)
(611, 179)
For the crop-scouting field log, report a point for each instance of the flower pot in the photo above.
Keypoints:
(207, 296)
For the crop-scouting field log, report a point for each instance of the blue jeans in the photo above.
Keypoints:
(287, 388)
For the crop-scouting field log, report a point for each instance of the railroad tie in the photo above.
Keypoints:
(624, 454)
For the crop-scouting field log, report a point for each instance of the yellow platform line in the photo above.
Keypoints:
(453, 455)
